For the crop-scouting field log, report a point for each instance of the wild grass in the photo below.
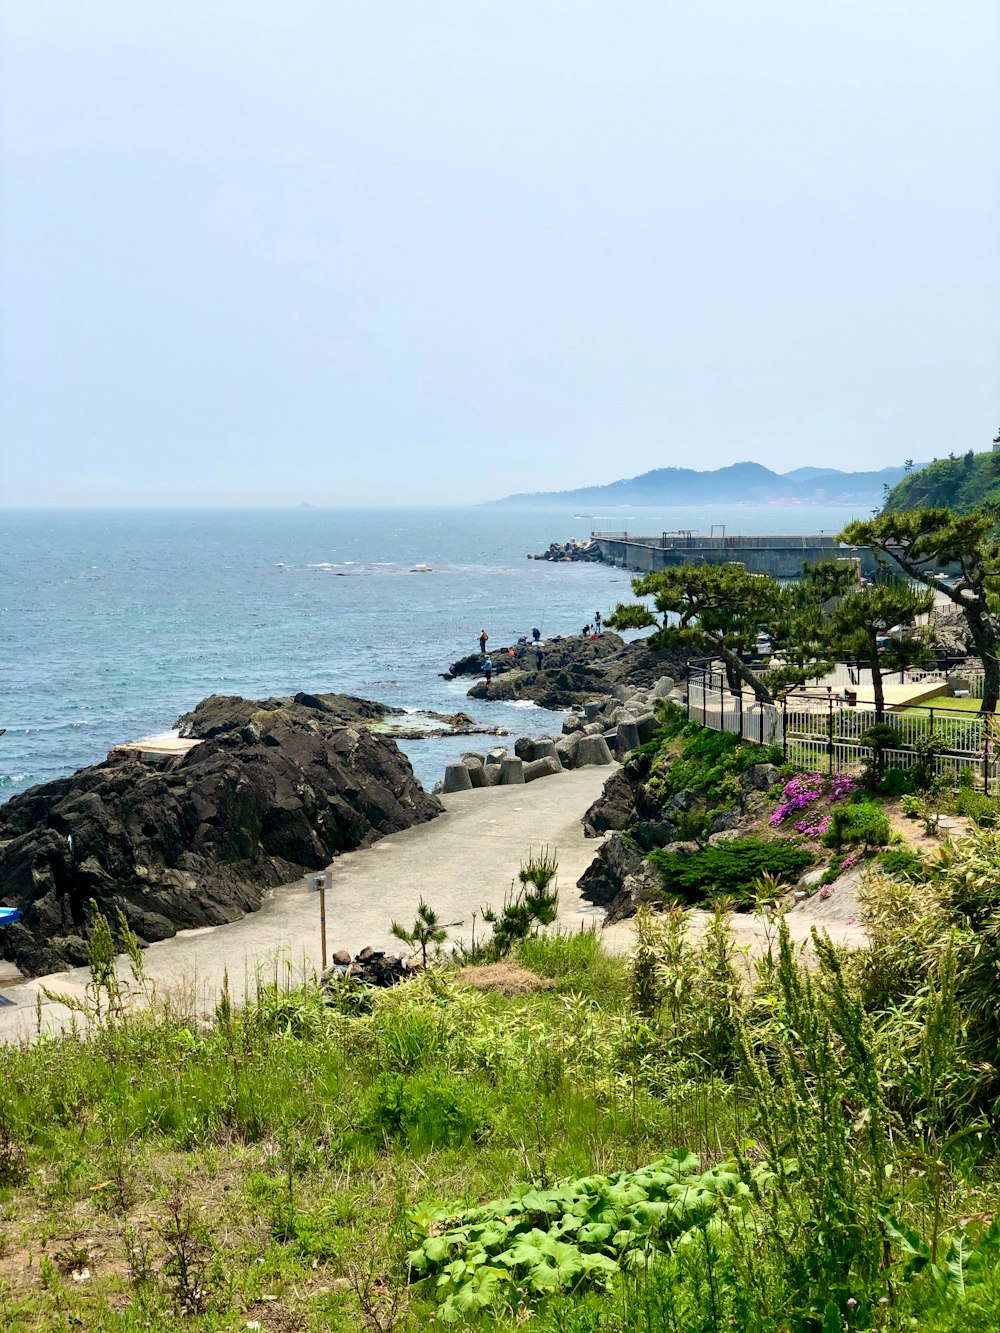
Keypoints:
(275, 1167)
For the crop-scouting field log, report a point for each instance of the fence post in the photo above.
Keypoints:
(986, 753)
(706, 680)
(739, 709)
(784, 728)
(829, 732)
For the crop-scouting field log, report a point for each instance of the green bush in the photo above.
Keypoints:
(901, 863)
(895, 782)
(860, 825)
(426, 1110)
(729, 867)
(979, 807)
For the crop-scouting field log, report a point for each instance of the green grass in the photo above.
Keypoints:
(277, 1166)
(947, 704)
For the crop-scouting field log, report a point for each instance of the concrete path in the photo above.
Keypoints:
(467, 857)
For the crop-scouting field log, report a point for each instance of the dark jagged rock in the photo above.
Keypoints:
(613, 809)
(574, 669)
(276, 792)
(369, 967)
(221, 713)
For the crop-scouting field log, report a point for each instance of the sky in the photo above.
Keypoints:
(255, 252)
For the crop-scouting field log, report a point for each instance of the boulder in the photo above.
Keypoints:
(724, 835)
(613, 809)
(542, 768)
(602, 881)
(511, 772)
(682, 800)
(457, 778)
(524, 748)
(199, 841)
(759, 777)
(593, 750)
(628, 738)
(723, 820)
(650, 833)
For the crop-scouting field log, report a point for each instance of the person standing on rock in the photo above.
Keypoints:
(483, 636)
(488, 671)
(597, 622)
(586, 631)
(536, 634)
(538, 654)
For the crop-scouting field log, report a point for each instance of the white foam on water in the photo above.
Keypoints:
(171, 735)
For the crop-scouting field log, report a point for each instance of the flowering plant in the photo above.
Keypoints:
(800, 792)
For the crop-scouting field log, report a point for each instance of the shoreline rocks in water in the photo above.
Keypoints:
(274, 790)
(571, 552)
(574, 670)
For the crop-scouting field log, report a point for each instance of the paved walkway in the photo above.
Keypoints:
(465, 858)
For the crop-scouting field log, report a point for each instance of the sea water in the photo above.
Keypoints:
(113, 623)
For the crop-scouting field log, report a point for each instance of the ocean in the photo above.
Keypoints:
(113, 623)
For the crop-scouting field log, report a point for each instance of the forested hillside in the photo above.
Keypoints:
(962, 482)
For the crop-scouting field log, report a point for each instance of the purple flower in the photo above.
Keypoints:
(851, 1302)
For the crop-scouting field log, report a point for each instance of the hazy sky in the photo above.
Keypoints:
(351, 251)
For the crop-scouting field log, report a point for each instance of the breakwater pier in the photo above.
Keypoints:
(780, 556)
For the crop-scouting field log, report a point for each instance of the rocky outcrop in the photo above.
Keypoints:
(276, 791)
(574, 669)
(222, 713)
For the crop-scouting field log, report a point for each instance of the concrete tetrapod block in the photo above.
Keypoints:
(647, 724)
(524, 748)
(477, 774)
(542, 768)
(495, 755)
(457, 778)
(628, 738)
(662, 687)
(566, 753)
(471, 757)
(591, 708)
(593, 750)
(572, 723)
(511, 772)
(545, 748)
(491, 775)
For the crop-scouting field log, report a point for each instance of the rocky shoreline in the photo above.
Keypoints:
(267, 790)
(274, 789)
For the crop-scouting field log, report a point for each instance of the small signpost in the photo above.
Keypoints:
(8, 915)
(319, 882)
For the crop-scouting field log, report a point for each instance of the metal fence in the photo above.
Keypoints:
(825, 734)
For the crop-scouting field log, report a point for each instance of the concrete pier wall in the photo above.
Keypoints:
(782, 556)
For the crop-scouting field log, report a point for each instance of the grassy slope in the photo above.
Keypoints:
(259, 1174)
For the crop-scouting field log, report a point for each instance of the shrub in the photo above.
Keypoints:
(426, 1110)
(729, 867)
(901, 863)
(979, 807)
(860, 825)
(895, 782)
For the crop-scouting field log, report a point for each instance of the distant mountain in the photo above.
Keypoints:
(739, 481)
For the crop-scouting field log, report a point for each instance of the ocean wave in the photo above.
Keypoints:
(13, 779)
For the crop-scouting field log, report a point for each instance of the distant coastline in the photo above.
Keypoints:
(738, 484)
